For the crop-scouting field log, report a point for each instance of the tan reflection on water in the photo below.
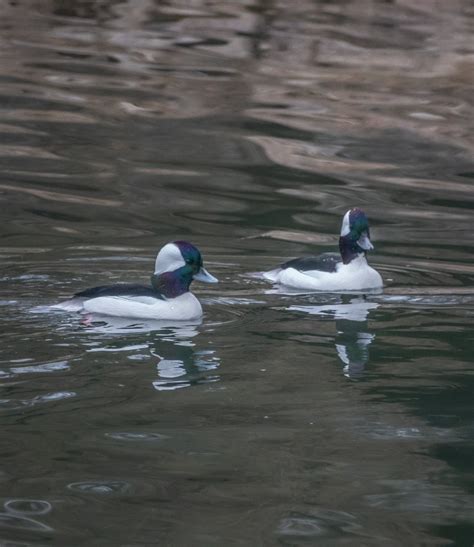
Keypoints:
(62, 197)
(342, 68)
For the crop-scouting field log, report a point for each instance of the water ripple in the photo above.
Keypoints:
(15, 522)
(101, 487)
(132, 436)
(321, 522)
(248, 128)
(17, 404)
(28, 507)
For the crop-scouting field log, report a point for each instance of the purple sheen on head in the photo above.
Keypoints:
(173, 284)
(177, 282)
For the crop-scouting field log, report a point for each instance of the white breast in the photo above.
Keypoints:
(183, 307)
(356, 275)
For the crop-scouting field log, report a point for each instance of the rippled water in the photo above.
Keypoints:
(248, 128)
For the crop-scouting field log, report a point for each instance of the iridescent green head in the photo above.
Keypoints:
(177, 264)
(355, 235)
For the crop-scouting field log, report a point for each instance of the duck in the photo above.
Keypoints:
(168, 296)
(347, 270)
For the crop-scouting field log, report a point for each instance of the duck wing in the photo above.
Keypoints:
(326, 262)
(120, 289)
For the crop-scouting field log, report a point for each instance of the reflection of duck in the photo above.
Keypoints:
(184, 367)
(168, 296)
(348, 271)
(179, 331)
(352, 345)
(179, 363)
(352, 338)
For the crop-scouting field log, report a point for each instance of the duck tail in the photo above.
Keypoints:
(272, 275)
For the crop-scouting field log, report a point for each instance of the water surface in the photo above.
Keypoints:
(248, 128)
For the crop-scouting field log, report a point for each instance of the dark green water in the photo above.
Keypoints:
(248, 128)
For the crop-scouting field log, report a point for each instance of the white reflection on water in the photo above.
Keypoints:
(178, 373)
(46, 367)
(100, 487)
(179, 330)
(179, 365)
(318, 522)
(357, 310)
(353, 338)
(18, 404)
(133, 436)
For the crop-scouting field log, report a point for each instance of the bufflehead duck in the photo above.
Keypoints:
(168, 296)
(348, 271)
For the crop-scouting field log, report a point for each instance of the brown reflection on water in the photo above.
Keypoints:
(57, 196)
(369, 92)
(338, 68)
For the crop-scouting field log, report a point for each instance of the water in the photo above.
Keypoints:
(249, 129)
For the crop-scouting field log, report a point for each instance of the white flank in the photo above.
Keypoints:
(355, 276)
(181, 308)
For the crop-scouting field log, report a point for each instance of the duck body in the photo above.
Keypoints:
(347, 271)
(168, 297)
(355, 276)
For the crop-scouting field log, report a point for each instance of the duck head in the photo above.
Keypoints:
(177, 264)
(355, 235)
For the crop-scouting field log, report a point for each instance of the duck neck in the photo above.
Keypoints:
(349, 249)
(172, 284)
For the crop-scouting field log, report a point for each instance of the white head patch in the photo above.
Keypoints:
(169, 259)
(345, 228)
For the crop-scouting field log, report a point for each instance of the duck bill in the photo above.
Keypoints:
(205, 276)
(365, 243)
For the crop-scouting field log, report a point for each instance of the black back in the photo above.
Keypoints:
(120, 289)
(325, 262)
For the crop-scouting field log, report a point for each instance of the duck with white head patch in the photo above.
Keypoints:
(347, 271)
(168, 297)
